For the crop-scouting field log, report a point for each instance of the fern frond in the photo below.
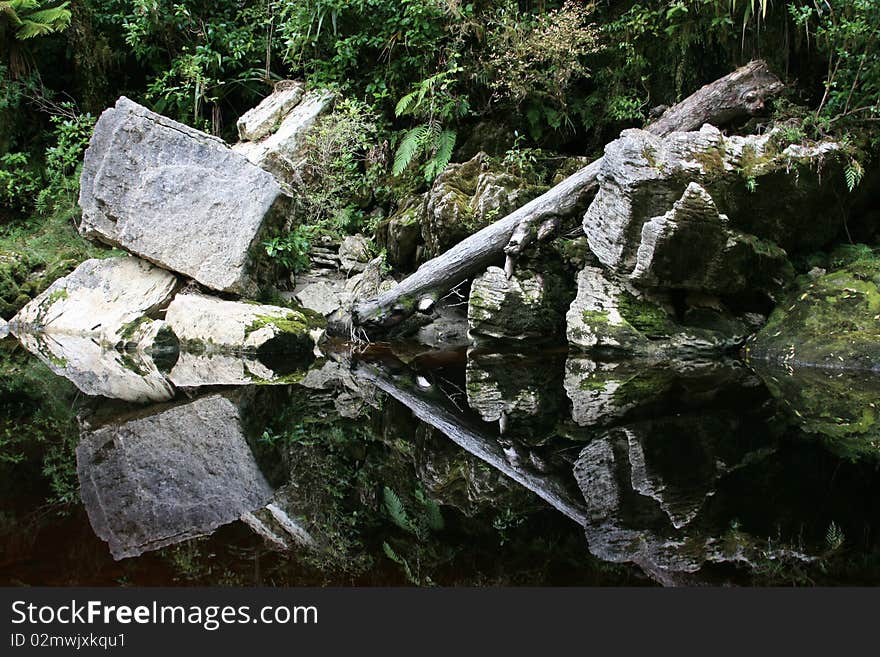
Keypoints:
(405, 104)
(403, 563)
(410, 145)
(443, 146)
(853, 174)
(396, 511)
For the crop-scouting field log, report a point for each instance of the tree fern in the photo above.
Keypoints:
(31, 20)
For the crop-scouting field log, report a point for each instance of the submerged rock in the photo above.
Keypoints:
(209, 324)
(526, 305)
(111, 300)
(832, 321)
(467, 197)
(274, 133)
(168, 474)
(660, 196)
(177, 197)
(131, 376)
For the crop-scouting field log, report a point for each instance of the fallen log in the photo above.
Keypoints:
(738, 94)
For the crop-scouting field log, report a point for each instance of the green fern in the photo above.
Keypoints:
(411, 144)
(397, 512)
(834, 537)
(443, 145)
(853, 174)
(32, 20)
(433, 518)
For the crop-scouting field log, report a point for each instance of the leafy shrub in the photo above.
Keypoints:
(847, 33)
(536, 63)
(19, 183)
(72, 132)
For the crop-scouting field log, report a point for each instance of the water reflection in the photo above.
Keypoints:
(690, 472)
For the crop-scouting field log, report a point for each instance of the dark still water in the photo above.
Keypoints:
(393, 466)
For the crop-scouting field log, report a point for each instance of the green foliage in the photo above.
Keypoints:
(33, 18)
(291, 251)
(434, 101)
(534, 64)
(847, 33)
(19, 183)
(199, 55)
(64, 159)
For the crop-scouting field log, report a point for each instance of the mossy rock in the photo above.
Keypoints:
(831, 322)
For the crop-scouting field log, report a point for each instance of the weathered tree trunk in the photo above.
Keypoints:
(741, 93)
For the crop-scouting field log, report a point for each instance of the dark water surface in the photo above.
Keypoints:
(395, 465)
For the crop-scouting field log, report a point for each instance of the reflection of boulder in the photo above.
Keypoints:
(646, 485)
(839, 407)
(110, 300)
(130, 376)
(168, 474)
(606, 392)
(511, 390)
(216, 369)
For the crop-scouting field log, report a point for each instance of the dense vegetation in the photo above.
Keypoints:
(423, 81)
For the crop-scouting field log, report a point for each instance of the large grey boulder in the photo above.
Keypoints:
(177, 197)
(114, 300)
(611, 315)
(526, 305)
(203, 323)
(274, 134)
(4, 328)
(659, 196)
(168, 474)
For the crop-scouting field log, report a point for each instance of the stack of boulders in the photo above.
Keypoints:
(691, 237)
(192, 214)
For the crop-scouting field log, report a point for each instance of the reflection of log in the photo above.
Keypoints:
(738, 94)
(475, 440)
